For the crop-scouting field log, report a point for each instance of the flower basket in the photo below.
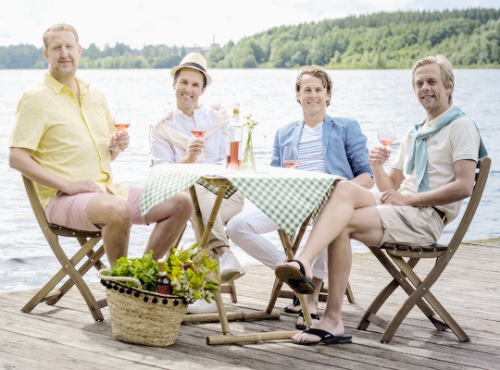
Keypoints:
(140, 316)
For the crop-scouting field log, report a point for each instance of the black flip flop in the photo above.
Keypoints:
(295, 278)
(295, 303)
(303, 326)
(325, 338)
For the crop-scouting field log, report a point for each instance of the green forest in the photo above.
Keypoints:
(469, 38)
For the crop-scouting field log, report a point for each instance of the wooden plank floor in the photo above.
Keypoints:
(65, 336)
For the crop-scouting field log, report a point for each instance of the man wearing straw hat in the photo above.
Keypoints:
(64, 140)
(173, 141)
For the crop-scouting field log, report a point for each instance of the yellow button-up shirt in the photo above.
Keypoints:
(68, 138)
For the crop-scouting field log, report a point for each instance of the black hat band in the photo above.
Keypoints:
(195, 65)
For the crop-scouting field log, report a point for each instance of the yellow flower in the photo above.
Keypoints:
(192, 273)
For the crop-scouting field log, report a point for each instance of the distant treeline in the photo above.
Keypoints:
(469, 38)
(119, 56)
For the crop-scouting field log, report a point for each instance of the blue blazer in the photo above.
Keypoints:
(344, 146)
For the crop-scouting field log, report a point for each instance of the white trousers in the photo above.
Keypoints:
(244, 230)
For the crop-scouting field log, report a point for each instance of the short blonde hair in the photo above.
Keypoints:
(58, 27)
(446, 71)
(318, 72)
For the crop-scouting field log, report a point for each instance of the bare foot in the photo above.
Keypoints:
(294, 307)
(337, 329)
(312, 304)
(295, 264)
(297, 276)
(301, 320)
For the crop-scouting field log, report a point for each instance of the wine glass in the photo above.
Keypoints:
(291, 157)
(199, 131)
(122, 122)
(386, 135)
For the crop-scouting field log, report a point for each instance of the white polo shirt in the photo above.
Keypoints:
(457, 141)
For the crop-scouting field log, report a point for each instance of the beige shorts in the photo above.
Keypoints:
(413, 226)
(71, 210)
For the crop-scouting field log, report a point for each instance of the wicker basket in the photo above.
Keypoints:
(139, 316)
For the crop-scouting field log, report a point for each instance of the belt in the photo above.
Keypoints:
(440, 213)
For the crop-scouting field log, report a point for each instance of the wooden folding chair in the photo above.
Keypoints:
(87, 240)
(290, 245)
(419, 290)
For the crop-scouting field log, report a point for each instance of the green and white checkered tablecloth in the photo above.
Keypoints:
(287, 196)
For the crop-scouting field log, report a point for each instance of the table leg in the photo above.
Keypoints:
(205, 232)
(290, 245)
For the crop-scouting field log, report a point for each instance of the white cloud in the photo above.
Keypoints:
(186, 23)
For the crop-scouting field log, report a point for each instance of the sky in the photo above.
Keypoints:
(186, 22)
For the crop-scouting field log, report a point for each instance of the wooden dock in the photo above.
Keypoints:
(65, 336)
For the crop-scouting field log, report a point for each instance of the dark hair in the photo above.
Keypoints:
(179, 72)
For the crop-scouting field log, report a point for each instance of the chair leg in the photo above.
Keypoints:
(47, 293)
(222, 313)
(274, 295)
(232, 291)
(399, 280)
(433, 275)
(92, 261)
(349, 294)
(370, 313)
(407, 270)
(421, 292)
(69, 268)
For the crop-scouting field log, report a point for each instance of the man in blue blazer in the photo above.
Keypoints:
(325, 144)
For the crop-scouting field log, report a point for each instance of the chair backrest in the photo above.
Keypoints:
(151, 164)
(482, 171)
(49, 230)
(36, 205)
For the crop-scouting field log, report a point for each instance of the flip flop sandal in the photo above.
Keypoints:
(295, 303)
(295, 278)
(325, 338)
(303, 326)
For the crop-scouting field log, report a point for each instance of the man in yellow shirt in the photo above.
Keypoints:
(64, 140)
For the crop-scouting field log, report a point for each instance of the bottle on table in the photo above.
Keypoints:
(163, 285)
(234, 137)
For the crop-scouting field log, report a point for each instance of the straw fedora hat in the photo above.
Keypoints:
(194, 61)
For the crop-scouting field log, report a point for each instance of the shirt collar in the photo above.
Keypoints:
(57, 87)
(435, 121)
(196, 112)
(318, 127)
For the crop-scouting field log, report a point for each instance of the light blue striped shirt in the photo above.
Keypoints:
(311, 149)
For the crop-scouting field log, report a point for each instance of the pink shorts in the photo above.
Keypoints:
(71, 210)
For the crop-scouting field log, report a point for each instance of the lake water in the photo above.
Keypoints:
(371, 96)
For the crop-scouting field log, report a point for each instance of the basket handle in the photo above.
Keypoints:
(105, 274)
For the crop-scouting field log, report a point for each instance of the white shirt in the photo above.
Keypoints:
(311, 149)
(203, 118)
(457, 141)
